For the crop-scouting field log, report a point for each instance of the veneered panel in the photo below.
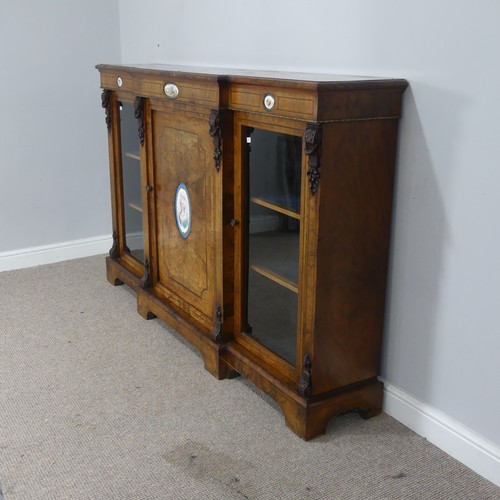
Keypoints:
(181, 153)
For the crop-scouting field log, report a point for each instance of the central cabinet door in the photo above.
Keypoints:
(186, 214)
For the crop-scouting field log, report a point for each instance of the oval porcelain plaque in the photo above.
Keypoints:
(269, 102)
(171, 90)
(182, 210)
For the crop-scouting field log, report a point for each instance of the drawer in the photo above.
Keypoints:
(165, 86)
(117, 81)
(293, 103)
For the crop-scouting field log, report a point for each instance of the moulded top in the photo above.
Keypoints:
(233, 74)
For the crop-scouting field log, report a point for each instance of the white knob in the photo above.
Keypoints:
(171, 90)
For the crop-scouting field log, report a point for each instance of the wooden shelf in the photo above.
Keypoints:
(133, 156)
(275, 277)
(134, 206)
(276, 207)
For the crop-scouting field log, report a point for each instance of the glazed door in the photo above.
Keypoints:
(128, 174)
(186, 211)
(131, 182)
(269, 246)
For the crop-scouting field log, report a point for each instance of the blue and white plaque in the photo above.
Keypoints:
(182, 210)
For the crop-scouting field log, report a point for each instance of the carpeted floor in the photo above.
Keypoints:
(97, 403)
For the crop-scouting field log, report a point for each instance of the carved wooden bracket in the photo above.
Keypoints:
(145, 281)
(106, 104)
(216, 333)
(216, 134)
(113, 253)
(139, 114)
(312, 149)
(304, 386)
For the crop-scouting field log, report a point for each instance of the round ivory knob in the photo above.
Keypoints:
(171, 90)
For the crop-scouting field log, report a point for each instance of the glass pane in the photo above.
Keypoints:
(275, 168)
(273, 240)
(132, 194)
(273, 315)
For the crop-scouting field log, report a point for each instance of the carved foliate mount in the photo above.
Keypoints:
(139, 114)
(304, 385)
(145, 281)
(216, 134)
(106, 104)
(216, 333)
(312, 149)
(113, 252)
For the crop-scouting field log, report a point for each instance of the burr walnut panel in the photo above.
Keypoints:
(181, 154)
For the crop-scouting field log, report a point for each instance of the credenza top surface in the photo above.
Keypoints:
(238, 75)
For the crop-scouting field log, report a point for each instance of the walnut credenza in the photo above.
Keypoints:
(252, 213)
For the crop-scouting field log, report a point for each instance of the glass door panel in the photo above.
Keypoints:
(274, 175)
(131, 174)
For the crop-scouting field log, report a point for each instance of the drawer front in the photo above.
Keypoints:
(293, 103)
(165, 87)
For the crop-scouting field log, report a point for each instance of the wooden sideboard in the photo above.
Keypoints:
(252, 213)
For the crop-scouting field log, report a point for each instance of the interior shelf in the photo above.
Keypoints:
(277, 207)
(275, 255)
(134, 156)
(135, 206)
(280, 280)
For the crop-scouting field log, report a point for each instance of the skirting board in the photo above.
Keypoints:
(460, 442)
(47, 254)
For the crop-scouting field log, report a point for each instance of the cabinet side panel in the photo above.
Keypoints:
(356, 192)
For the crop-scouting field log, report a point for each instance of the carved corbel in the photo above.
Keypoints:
(216, 333)
(113, 252)
(139, 114)
(106, 104)
(304, 385)
(312, 149)
(216, 134)
(145, 281)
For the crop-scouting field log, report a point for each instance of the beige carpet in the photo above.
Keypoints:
(97, 403)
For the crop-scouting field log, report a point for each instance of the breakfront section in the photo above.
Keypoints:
(314, 168)
(171, 259)
(265, 207)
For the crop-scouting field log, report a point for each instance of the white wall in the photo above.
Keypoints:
(54, 181)
(442, 341)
